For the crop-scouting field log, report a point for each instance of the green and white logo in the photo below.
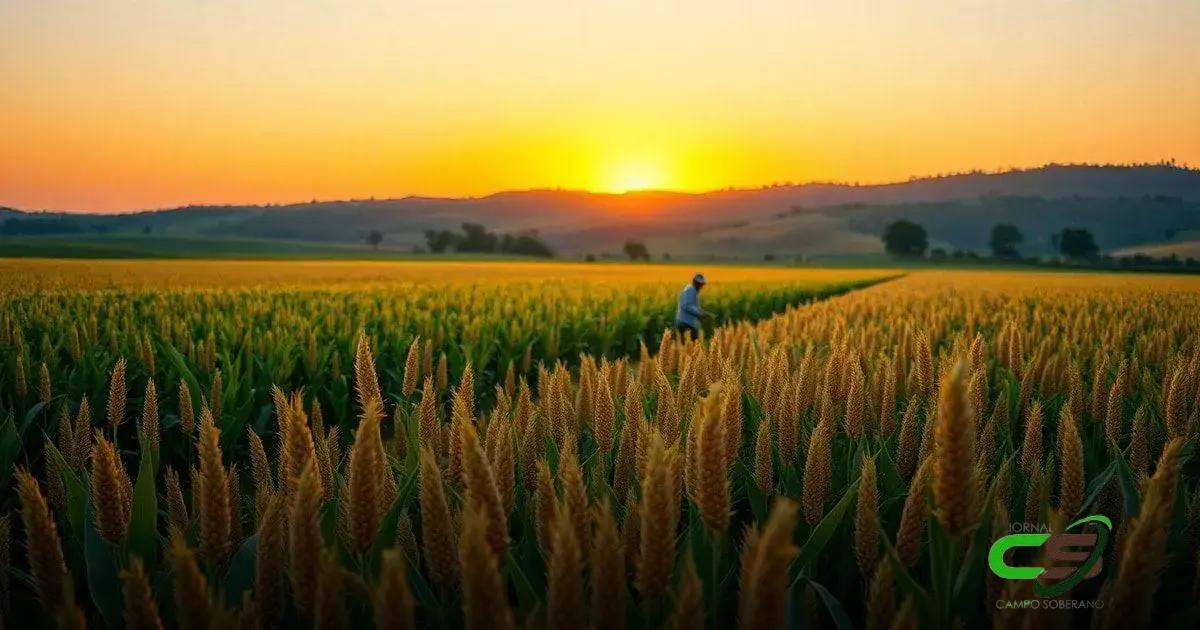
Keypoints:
(1070, 558)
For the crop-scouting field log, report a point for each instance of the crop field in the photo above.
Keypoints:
(294, 324)
(503, 445)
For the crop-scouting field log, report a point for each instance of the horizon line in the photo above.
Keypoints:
(1166, 163)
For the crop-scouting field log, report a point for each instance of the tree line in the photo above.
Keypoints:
(476, 239)
(906, 239)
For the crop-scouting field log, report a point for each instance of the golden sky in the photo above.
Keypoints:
(127, 105)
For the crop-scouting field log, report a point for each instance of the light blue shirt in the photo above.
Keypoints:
(688, 312)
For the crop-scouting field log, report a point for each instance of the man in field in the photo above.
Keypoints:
(688, 314)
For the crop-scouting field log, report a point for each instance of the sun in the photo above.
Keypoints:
(633, 175)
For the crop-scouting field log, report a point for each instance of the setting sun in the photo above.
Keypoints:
(139, 106)
(633, 175)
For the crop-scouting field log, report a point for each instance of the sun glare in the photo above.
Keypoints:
(634, 175)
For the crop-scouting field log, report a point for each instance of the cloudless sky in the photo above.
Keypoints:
(123, 105)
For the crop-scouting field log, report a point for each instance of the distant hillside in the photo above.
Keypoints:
(1122, 205)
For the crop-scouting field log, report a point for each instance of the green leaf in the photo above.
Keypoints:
(411, 455)
(836, 611)
(905, 580)
(891, 482)
(1129, 488)
(972, 565)
(941, 561)
(30, 416)
(1098, 483)
(180, 364)
(10, 447)
(758, 500)
(241, 574)
(527, 595)
(143, 524)
(77, 496)
(824, 530)
(233, 429)
(102, 572)
(386, 536)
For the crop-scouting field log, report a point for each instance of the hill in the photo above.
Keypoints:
(1124, 206)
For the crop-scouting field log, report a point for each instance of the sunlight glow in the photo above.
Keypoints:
(126, 106)
(633, 175)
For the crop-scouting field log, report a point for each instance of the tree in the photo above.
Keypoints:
(1077, 243)
(527, 244)
(905, 238)
(374, 238)
(40, 225)
(442, 241)
(1004, 241)
(636, 250)
(476, 239)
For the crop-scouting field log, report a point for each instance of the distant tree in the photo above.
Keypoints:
(476, 239)
(526, 244)
(39, 225)
(1004, 241)
(589, 258)
(440, 241)
(636, 250)
(905, 238)
(374, 238)
(146, 229)
(937, 253)
(1077, 243)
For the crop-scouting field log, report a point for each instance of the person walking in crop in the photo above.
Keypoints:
(688, 314)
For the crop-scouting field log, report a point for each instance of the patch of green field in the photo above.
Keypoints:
(157, 246)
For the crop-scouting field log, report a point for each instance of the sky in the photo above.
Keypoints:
(124, 105)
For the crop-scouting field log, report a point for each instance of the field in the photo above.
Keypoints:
(518, 445)
(160, 246)
(1183, 246)
(294, 324)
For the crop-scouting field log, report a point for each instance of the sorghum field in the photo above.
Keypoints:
(192, 444)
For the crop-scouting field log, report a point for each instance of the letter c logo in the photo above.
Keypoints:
(1001, 568)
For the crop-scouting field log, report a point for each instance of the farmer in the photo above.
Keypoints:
(689, 313)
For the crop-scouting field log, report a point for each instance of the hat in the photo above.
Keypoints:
(698, 278)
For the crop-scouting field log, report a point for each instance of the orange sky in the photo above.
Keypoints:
(122, 105)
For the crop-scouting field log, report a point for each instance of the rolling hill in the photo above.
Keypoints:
(1124, 206)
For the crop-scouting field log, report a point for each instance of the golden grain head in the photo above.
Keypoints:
(766, 556)
(111, 498)
(954, 457)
